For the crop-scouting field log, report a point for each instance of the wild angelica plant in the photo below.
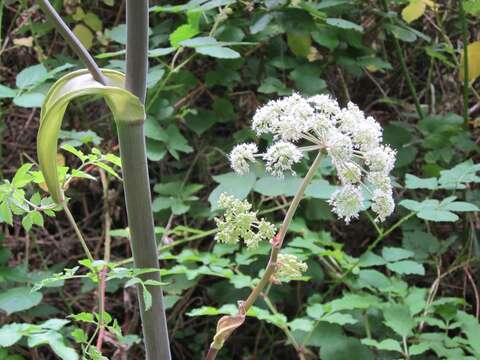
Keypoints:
(298, 125)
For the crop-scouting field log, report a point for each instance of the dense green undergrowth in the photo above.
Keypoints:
(403, 289)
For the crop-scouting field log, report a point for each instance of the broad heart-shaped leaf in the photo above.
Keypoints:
(126, 108)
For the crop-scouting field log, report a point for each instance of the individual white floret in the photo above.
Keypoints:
(280, 157)
(368, 134)
(382, 204)
(347, 202)
(240, 157)
(339, 146)
(380, 159)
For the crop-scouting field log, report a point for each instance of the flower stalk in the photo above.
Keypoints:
(277, 243)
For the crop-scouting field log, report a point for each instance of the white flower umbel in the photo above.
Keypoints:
(380, 159)
(382, 204)
(347, 202)
(347, 135)
(339, 146)
(289, 266)
(240, 157)
(280, 157)
(239, 222)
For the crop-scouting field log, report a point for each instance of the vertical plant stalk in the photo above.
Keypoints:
(466, 85)
(71, 40)
(137, 185)
(134, 163)
(403, 66)
(277, 243)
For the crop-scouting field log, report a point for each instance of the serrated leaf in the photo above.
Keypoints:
(398, 318)
(395, 253)
(301, 324)
(407, 267)
(386, 345)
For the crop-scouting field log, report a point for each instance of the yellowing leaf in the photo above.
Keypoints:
(473, 50)
(84, 35)
(25, 41)
(413, 11)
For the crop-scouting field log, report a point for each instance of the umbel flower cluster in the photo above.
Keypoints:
(240, 222)
(347, 135)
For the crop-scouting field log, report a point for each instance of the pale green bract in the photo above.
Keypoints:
(126, 108)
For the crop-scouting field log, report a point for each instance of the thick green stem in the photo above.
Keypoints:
(137, 185)
(144, 249)
(277, 242)
(466, 86)
(404, 68)
(72, 40)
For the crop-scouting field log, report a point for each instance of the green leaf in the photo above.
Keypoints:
(413, 182)
(315, 311)
(274, 186)
(233, 184)
(345, 348)
(301, 324)
(30, 76)
(299, 43)
(125, 107)
(84, 34)
(19, 299)
(395, 253)
(385, 345)
(56, 341)
(344, 24)
(93, 21)
(219, 52)
(339, 318)
(29, 100)
(118, 34)
(10, 334)
(6, 92)
(398, 318)
(320, 189)
(407, 267)
(183, 32)
(6, 213)
(374, 278)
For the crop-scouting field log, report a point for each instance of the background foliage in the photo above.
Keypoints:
(406, 290)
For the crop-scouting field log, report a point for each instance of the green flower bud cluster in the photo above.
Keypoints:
(289, 266)
(239, 222)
